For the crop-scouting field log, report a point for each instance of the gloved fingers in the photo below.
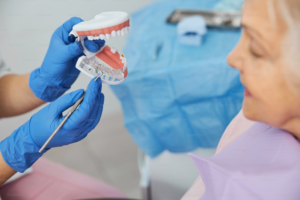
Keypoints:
(98, 114)
(95, 122)
(74, 72)
(64, 102)
(72, 50)
(95, 113)
(100, 42)
(93, 45)
(61, 46)
(67, 27)
(97, 104)
(83, 113)
(75, 49)
(79, 138)
(98, 107)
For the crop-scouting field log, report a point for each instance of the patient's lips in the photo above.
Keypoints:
(247, 93)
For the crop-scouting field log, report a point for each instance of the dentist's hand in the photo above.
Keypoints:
(58, 72)
(20, 150)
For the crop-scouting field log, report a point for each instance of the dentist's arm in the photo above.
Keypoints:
(5, 171)
(22, 93)
(16, 97)
(21, 149)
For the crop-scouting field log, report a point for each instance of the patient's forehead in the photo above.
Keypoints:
(265, 20)
(264, 13)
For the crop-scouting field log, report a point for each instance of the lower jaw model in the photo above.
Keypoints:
(106, 63)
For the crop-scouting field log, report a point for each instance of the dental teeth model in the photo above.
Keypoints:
(107, 62)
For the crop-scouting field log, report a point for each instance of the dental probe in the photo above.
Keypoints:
(74, 107)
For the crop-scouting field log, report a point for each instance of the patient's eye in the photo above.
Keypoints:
(254, 53)
(255, 50)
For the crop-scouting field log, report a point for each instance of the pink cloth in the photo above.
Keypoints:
(263, 163)
(237, 127)
(51, 181)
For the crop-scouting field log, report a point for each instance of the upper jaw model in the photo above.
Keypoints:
(107, 62)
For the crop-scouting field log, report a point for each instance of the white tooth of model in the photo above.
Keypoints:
(102, 37)
(113, 33)
(90, 37)
(122, 59)
(96, 37)
(73, 33)
(126, 30)
(125, 67)
(123, 32)
(113, 50)
(119, 33)
(107, 36)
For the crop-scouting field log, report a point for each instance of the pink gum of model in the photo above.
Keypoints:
(104, 31)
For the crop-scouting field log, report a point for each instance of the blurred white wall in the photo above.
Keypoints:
(26, 27)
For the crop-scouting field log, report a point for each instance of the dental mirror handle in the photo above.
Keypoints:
(74, 107)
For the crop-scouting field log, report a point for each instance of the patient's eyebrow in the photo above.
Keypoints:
(260, 40)
(252, 31)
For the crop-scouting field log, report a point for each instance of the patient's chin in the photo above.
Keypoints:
(250, 110)
(256, 111)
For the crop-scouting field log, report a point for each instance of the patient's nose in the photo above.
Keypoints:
(235, 59)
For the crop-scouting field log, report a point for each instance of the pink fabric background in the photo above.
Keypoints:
(51, 181)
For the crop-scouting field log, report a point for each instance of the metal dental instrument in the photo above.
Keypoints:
(74, 107)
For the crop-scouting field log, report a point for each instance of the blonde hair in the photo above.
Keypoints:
(290, 13)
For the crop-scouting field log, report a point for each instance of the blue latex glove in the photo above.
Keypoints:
(20, 150)
(58, 72)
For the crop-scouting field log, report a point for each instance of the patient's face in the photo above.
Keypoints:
(259, 59)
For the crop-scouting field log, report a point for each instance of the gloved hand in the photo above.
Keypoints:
(58, 72)
(20, 150)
